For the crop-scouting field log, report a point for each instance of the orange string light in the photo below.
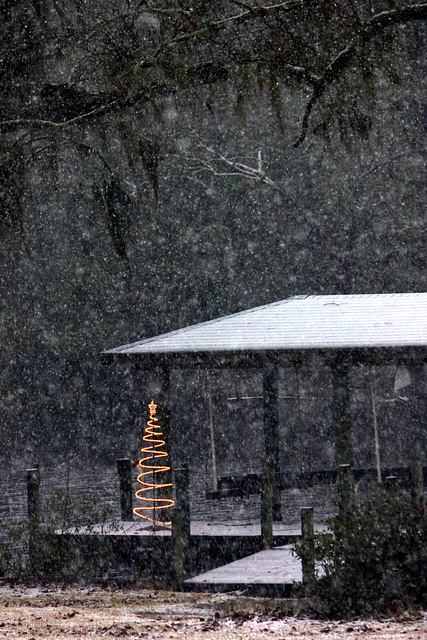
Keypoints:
(152, 435)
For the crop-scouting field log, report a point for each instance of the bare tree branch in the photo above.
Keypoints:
(134, 14)
(237, 169)
(386, 163)
(220, 24)
(37, 122)
(245, 5)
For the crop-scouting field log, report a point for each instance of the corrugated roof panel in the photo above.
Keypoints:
(304, 322)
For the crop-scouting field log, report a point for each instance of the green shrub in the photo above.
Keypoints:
(57, 550)
(13, 546)
(47, 551)
(374, 558)
(64, 513)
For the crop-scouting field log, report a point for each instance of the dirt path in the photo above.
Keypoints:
(97, 614)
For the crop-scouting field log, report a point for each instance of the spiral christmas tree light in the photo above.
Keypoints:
(152, 503)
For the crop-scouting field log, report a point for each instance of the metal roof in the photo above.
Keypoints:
(302, 323)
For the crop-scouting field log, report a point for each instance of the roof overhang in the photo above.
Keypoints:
(257, 360)
(365, 329)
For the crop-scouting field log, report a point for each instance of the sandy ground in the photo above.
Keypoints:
(32, 613)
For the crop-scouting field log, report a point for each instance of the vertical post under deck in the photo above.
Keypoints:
(182, 498)
(124, 468)
(33, 496)
(180, 523)
(307, 534)
(178, 547)
(267, 493)
(416, 416)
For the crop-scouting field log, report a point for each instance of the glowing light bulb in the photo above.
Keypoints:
(153, 452)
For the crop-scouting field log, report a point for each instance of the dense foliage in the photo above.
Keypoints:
(82, 77)
(61, 513)
(374, 559)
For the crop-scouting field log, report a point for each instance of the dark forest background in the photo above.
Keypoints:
(165, 163)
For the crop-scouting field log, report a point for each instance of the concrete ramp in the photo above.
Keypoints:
(267, 573)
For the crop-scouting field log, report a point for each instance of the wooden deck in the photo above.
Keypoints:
(220, 556)
(198, 528)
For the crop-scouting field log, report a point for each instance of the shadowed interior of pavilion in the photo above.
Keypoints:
(338, 331)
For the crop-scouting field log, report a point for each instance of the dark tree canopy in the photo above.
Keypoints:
(112, 56)
(76, 74)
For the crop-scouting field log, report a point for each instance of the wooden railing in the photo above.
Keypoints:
(251, 483)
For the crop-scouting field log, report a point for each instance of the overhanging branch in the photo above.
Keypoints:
(39, 122)
(146, 62)
(220, 24)
(375, 26)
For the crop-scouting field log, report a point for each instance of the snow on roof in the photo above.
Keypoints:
(303, 322)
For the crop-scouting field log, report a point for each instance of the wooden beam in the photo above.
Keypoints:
(345, 490)
(417, 409)
(253, 359)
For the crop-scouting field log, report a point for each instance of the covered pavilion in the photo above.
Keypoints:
(340, 330)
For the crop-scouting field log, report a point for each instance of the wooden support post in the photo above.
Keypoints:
(33, 496)
(271, 429)
(417, 482)
(182, 498)
(181, 522)
(162, 401)
(212, 434)
(33, 493)
(307, 560)
(267, 505)
(178, 547)
(415, 409)
(345, 489)
(375, 421)
(341, 413)
(124, 468)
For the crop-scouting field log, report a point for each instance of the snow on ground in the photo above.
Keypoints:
(95, 614)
